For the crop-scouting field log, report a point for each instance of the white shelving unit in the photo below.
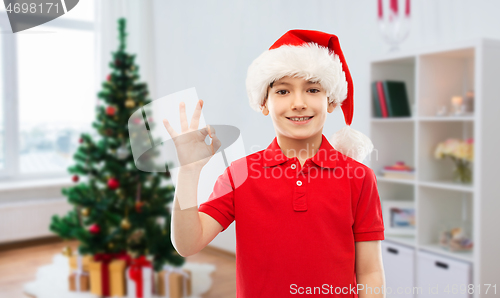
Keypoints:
(432, 76)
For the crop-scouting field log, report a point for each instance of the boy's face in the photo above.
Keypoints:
(291, 97)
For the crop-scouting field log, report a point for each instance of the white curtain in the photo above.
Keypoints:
(140, 37)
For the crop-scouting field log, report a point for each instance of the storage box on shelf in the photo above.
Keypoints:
(432, 78)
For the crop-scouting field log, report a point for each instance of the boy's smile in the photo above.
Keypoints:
(297, 107)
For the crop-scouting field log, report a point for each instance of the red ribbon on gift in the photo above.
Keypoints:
(105, 259)
(135, 273)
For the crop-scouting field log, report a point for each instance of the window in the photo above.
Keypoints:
(54, 94)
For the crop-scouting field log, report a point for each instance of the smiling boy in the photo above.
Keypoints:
(308, 216)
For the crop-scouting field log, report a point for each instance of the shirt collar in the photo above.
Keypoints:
(325, 157)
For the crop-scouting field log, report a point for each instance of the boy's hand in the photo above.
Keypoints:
(192, 151)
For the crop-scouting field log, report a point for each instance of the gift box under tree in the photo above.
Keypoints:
(140, 278)
(174, 282)
(79, 278)
(107, 274)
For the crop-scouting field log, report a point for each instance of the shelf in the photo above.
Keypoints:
(395, 180)
(447, 185)
(402, 239)
(462, 255)
(393, 119)
(446, 118)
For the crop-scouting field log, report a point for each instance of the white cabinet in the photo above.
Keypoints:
(438, 276)
(432, 77)
(399, 268)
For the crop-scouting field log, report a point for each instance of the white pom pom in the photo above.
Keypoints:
(352, 143)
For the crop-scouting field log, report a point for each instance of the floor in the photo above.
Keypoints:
(18, 265)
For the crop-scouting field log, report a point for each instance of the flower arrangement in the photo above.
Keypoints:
(462, 154)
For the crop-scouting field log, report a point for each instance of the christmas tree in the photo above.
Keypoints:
(119, 208)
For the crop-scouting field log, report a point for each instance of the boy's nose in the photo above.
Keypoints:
(299, 102)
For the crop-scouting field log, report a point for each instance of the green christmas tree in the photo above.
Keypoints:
(119, 208)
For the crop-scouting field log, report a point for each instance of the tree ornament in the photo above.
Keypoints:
(67, 251)
(109, 132)
(94, 229)
(85, 211)
(110, 111)
(118, 62)
(122, 152)
(136, 236)
(111, 245)
(75, 178)
(132, 67)
(138, 206)
(125, 224)
(108, 78)
(130, 103)
(113, 183)
(80, 140)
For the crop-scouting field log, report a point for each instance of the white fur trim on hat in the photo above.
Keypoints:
(309, 61)
(352, 143)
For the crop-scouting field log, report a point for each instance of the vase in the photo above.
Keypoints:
(462, 172)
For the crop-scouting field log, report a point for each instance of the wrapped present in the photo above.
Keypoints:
(79, 282)
(79, 278)
(107, 274)
(84, 262)
(140, 278)
(174, 282)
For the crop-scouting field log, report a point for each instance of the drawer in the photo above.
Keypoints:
(440, 276)
(399, 269)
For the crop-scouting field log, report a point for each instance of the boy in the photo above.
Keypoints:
(308, 216)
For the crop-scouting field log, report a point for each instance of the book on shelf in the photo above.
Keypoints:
(397, 174)
(390, 99)
(398, 170)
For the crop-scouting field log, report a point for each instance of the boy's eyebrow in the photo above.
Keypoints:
(285, 83)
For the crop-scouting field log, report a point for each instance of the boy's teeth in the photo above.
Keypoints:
(300, 119)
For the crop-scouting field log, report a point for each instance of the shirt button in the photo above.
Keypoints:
(294, 166)
(299, 183)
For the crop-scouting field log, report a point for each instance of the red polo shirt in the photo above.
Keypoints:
(296, 226)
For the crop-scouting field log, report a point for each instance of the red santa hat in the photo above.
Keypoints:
(312, 55)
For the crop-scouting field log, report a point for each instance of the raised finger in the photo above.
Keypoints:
(182, 111)
(169, 128)
(195, 120)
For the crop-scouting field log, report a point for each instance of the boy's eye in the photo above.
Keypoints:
(281, 91)
(317, 90)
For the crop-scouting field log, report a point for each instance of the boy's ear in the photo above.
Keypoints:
(331, 107)
(264, 109)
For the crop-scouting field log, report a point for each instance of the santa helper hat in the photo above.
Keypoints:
(312, 55)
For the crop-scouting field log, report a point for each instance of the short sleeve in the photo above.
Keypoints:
(368, 222)
(220, 203)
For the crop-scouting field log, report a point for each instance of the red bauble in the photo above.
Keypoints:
(110, 111)
(108, 77)
(75, 178)
(80, 140)
(113, 183)
(94, 229)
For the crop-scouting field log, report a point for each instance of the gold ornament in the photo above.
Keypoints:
(116, 118)
(120, 135)
(67, 251)
(125, 224)
(85, 211)
(130, 103)
(111, 245)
